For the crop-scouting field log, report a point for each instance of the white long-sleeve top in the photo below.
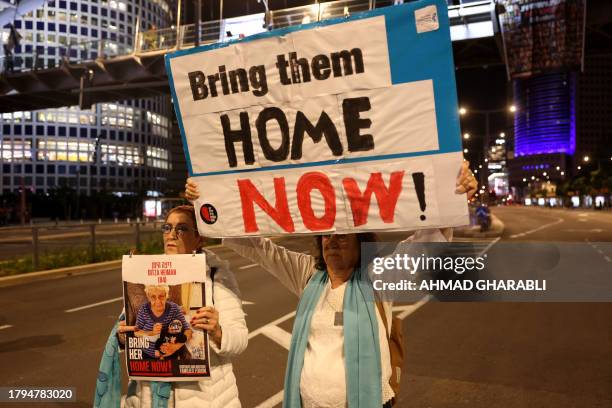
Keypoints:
(323, 377)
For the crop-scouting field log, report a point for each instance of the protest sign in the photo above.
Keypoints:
(343, 125)
(161, 293)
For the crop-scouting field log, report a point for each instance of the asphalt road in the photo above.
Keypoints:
(458, 354)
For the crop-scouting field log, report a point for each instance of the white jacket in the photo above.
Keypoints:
(220, 390)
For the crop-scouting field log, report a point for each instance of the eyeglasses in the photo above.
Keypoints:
(181, 229)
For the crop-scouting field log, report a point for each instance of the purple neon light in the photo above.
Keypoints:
(545, 122)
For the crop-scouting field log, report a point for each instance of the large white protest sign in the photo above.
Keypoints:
(344, 125)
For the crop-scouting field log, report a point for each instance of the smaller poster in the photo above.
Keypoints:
(161, 293)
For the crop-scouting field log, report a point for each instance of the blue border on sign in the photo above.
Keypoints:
(433, 51)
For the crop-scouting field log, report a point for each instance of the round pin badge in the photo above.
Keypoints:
(208, 213)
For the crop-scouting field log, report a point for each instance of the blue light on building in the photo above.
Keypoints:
(545, 122)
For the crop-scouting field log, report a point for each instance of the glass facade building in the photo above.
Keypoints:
(121, 146)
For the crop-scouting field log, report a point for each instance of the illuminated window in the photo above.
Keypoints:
(16, 150)
(59, 150)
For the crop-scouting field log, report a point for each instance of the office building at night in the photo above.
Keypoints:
(121, 146)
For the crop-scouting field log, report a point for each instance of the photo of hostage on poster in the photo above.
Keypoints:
(161, 293)
(343, 125)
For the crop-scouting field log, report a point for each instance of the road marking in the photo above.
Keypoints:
(584, 230)
(541, 227)
(274, 323)
(76, 309)
(408, 310)
(6, 326)
(278, 335)
(484, 251)
(248, 266)
(470, 240)
(246, 303)
(272, 401)
(594, 246)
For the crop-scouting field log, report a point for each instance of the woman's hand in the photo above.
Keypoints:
(123, 328)
(466, 182)
(191, 190)
(207, 318)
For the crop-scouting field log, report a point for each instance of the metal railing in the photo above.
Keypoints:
(155, 40)
(37, 241)
(208, 32)
(93, 49)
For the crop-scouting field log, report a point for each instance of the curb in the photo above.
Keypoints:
(496, 230)
(58, 273)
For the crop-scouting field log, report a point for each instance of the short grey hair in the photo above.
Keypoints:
(149, 288)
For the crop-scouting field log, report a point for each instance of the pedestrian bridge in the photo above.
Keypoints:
(99, 71)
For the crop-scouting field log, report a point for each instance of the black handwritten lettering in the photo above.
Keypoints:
(232, 136)
(198, 87)
(324, 127)
(269, 152)
(351, 108)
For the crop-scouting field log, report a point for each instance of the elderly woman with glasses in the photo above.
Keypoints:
(339, 355)
(224, 322)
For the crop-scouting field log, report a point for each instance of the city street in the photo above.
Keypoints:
(458, 354)
(295, 117)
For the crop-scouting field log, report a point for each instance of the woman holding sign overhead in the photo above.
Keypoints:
(336, 359)
(224, 322)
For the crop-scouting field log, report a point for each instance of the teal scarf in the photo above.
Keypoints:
(361, 345)
(108, 383)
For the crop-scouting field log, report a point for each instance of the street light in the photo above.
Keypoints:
(465, 150)
(524, 179)
(586, 159)
(466, 136)
(512, 108)
(502, 135)
(579, 167)
(563, 173)
(462, 111)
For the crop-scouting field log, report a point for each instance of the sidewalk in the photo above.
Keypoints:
(473, 231)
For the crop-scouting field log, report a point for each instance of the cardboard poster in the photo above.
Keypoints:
(343, 125)
(161, 293)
